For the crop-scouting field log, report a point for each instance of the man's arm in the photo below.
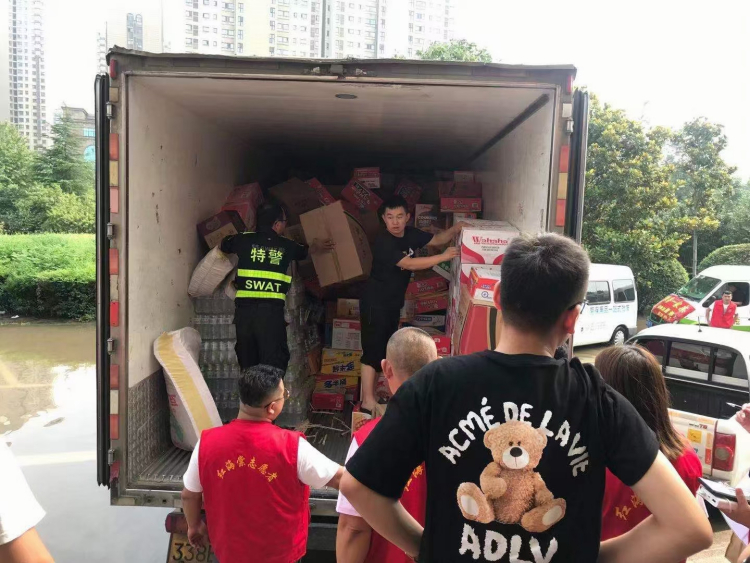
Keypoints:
(27, 548)
(191, 506)
(387, 516)
(352, 539)
(708, 315)
(677, 528)
(427, 262)
(444, 237)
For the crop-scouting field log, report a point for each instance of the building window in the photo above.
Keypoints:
(270, 50)
(206, 29)
(241, 7)
(227, 5)
(272, 24)
(271, 38)
(240, 48)
(241, 20)
(273, 12)
(89, 132)
(205, 43)
(240, 34)
(283, 40)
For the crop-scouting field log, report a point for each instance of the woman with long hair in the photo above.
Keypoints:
(636, 374)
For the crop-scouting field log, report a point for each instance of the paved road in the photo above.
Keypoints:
(47, 413)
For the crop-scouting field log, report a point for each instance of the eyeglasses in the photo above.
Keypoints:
(284, 397)
(581, 303)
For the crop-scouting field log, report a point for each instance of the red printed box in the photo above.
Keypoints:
(346, 334)
(473, 204)
(427, 217)
(359, 195)
(442, 341)
(482, 282)
(368, 177)
(245, 200)
(433, 283)
(430, 303)
(323, 195)
(410, 191)
(334, 383)
(485, 242)
(329, 400)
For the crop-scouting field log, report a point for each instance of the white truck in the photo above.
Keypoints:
(176, 132)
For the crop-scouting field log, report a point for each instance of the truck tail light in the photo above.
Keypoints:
(724, 448)
(569, 84)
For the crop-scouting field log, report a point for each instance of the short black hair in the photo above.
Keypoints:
(540, 277)
(727, 292)
(394, 202)
(258, 384)
(268, 213)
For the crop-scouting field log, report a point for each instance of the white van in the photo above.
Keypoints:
(688, 305)
(611, 311)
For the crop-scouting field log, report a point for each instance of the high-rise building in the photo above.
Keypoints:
(26, 88)
(133, 24)
(84, 129)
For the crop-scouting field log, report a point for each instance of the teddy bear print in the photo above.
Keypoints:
(510, 491)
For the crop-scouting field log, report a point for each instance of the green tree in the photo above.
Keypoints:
(16, 159)
(63, 163)
(455, 50)
(703, 180)
(630, 204)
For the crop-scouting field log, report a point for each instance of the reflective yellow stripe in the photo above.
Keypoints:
(260, 294)
(265, 275)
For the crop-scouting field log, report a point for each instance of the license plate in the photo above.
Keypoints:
(181, 550)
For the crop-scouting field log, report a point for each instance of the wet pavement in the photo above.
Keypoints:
(48, 415)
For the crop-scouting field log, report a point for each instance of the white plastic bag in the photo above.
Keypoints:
(192, 408)
(210, 272)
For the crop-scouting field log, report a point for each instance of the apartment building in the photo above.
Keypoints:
(84, 129)
(134, 24)
(26, 88)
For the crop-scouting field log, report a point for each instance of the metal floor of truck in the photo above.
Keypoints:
(321, 429)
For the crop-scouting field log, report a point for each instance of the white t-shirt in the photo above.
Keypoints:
(19, 510)
(343, 506)
(313, 468)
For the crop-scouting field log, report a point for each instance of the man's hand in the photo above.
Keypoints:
(459, 226)
(198, 536)
(741, 512)
(318, 246)
(449, 253)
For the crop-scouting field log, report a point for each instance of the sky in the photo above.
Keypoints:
(665, 61)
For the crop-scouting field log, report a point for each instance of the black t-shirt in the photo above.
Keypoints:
(264, 259)
(387, 282)
(454, 409)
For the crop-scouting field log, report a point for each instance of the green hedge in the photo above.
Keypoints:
(48, 276)
(734, 255)
(662, 279)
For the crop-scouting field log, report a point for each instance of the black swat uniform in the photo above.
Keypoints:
(262, 283)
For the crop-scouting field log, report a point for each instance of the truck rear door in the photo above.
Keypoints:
(577, 165)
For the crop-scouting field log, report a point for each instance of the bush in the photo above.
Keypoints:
(734, 254)
(663, 279)
(48, 276)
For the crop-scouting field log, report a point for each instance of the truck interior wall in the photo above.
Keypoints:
(180, 169)
(515, 173)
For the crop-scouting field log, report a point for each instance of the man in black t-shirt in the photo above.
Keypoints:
(516, 442)
(393, 261)
(262, 284)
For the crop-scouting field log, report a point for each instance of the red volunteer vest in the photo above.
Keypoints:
(256, 507)
(723, 317)
(414, 500)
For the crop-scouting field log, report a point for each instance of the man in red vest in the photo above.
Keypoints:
(253, 479)
(408, 350)
(724, 313)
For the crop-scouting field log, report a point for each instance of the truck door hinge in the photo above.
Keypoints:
(110, 110)
(569, 126)
(110, 345)
(110, 231)
(110, 457)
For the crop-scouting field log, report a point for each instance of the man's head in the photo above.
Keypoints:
(408, 351)
(726, 297)
(395, 214)
(271, 217)
(543, 285)
(262, 391)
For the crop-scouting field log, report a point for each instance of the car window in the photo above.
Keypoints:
(656, 347)
(598, 293)
(729, 368)
(624, 291)
(740, 293)
(697, 288)
(689, 360)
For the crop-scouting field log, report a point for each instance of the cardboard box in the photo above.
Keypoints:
(460, 196)
(361, 196)
(461, 204)
(329, 400)
(347, 308)
(221, 225)
(443, 269)
(313, 360)
(482, 282)
(430, 303)
(359, 419)
(324, 196)
(245, 201)
(427, 216)
(434, 321)
(296, 233)
(329, 383)
(426, 282)
(351, 259)
(463, 176)
(368, 177)
(346, 334)
(484, 242)
(477, 326)
(411, 192)
(297, 197)
(460, 216)
(407, 311)
(337, 362)
(442, 341)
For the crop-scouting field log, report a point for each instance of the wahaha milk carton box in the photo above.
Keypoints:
(483, 242)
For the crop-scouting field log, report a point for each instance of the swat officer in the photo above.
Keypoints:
(262, 283)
